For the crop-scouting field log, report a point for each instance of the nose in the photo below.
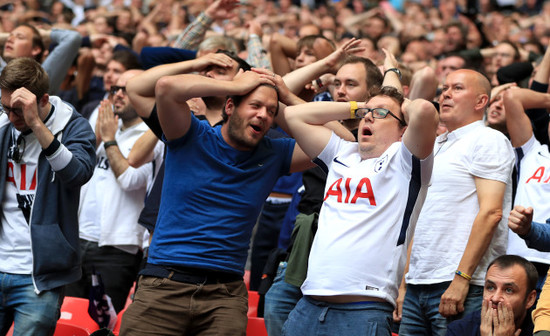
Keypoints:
(497, 297)
(340, 90)
(262, 112)
(369, 117)
(208, 74)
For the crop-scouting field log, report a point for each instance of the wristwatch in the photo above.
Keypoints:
(397, 71)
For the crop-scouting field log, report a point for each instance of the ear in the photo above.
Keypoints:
(531, 298)
(35, 51)
(403, 129)
(44, 100)
(229, 107)
(482, 102)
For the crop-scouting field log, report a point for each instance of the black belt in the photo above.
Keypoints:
(190, 275)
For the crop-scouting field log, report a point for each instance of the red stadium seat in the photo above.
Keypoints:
(116, 329)
(256, 327)
(246, 279)
(253, 300)
(63, 329)
(74, 311)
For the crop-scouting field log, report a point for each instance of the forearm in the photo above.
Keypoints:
(43, 134)
(318, 113)
(117, 161)
(192, 36)
(144, 84)
(538, 237)
(279, 48)
(297, 79)
(61, 58)
(180, 88)
(481, 235)
(143, 150)
(423, 84)
(257, 55)
(531, 99)
(518, 124)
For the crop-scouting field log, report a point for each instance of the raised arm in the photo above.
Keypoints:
(517, 122)
(423, 84)
(306, 122)
(391, 78)
(61, 58)
(422, 120)
(193, 35)
(297, 79)
(172, 93)
(141, 88)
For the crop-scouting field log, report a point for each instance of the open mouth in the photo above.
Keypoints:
(367, 132)
(256, 128)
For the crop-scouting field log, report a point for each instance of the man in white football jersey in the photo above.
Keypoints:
(373, 194)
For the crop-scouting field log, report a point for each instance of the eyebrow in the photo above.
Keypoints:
(506, 284)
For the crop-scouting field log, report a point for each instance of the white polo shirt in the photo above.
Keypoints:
(451, 205)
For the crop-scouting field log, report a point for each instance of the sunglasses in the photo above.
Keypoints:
(114, 89)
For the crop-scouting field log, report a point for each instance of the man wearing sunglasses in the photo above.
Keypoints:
(47, 154)
(112, 200)
(375, 188)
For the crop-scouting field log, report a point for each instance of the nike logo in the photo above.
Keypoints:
(543, 154)
(340, 162)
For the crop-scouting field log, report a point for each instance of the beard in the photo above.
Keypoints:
(236, 129)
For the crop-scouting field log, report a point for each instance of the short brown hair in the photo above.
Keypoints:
(374, 76)
(25, 72)
(36, 41)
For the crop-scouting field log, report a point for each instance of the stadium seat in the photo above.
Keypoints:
(253, 299)
(246, 279)
(74, 311)
(116, 329)
(63, 329)
(256, 327)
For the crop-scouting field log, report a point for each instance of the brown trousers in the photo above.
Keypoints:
(165, 307)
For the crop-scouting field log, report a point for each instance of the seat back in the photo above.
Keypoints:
(74, 312)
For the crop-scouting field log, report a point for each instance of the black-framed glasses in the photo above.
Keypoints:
(114, 89)
(377, 113)
(17, 151)
(7, 110)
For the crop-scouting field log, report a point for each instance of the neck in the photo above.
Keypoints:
(129, 123)
(213, 116)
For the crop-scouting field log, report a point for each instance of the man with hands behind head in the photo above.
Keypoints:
(216, 180)
(367, 219)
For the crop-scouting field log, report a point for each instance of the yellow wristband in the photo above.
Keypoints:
(464, 275)
(352, 109)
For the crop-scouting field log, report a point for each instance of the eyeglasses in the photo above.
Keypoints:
(16, 152)
(114, 89)
(7, 110)
(377, 113)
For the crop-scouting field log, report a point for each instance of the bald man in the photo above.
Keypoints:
(462, 226)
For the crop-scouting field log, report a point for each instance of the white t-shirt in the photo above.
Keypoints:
(110, 206)
(19, 192)
(365, 223)
(533, 162)
(451, 205)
